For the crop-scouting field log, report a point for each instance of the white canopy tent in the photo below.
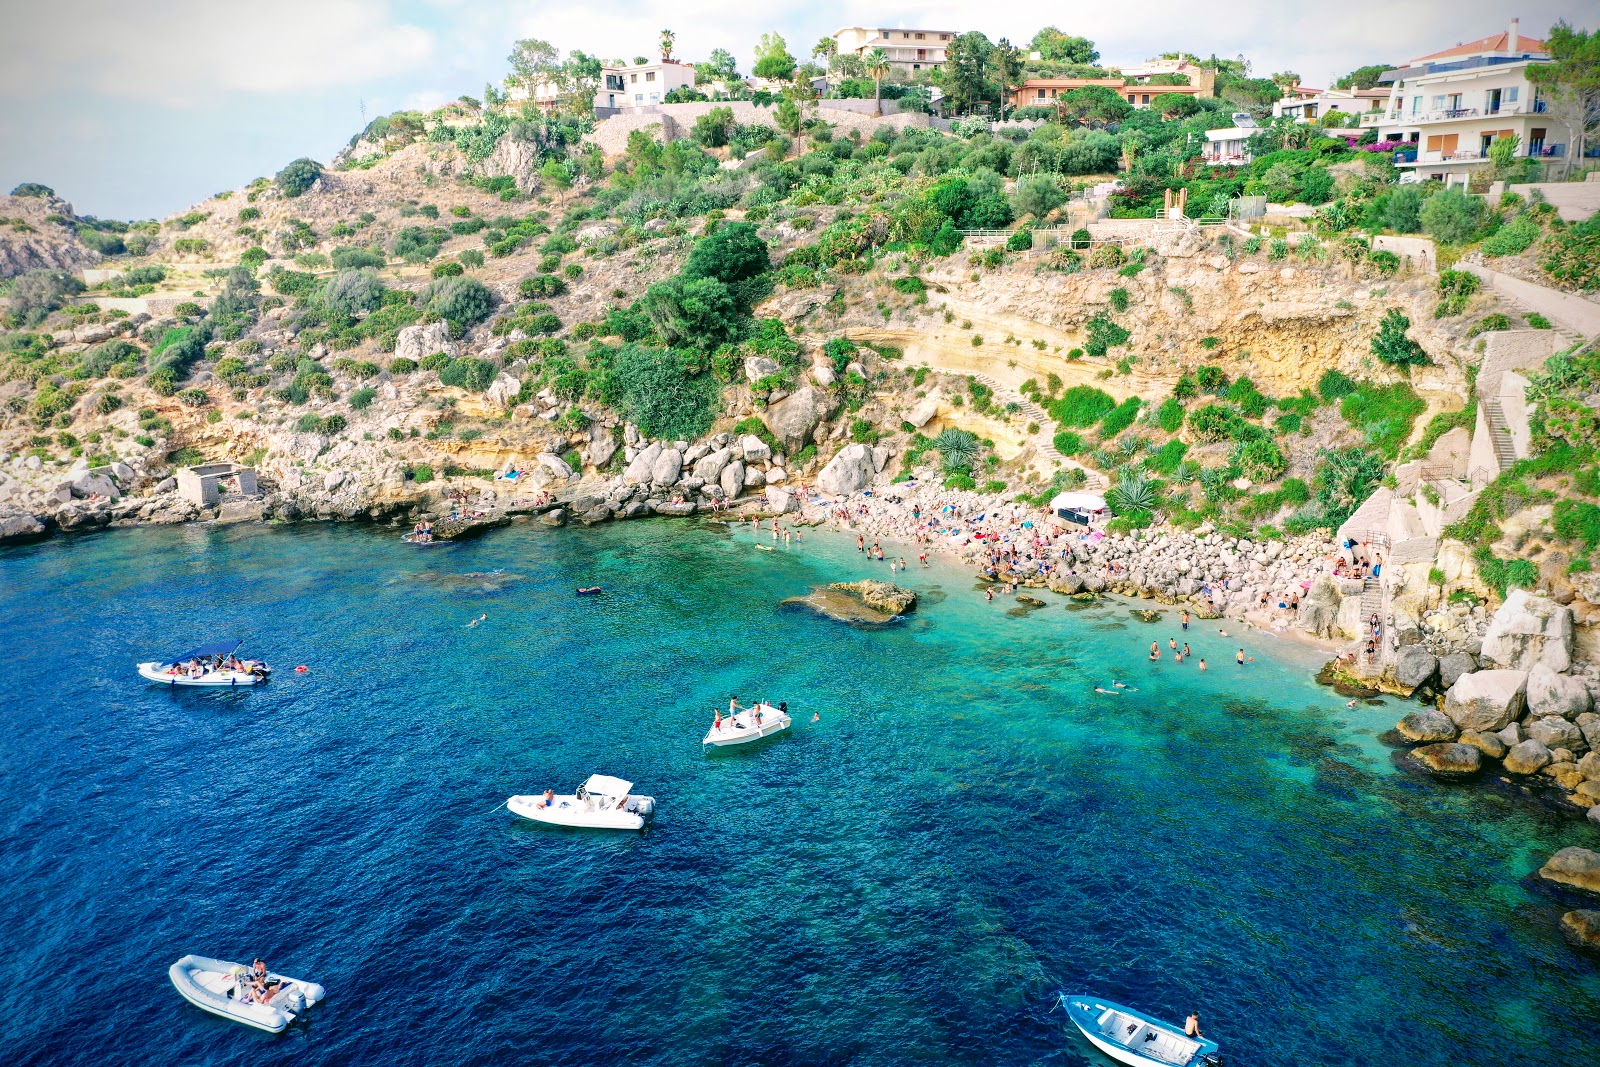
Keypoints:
(1078, 502)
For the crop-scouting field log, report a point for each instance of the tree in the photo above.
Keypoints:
(577, 80)
(1178, 106)
(1403, 212)
(877, 70)
(1286, 79)
(660, 394)
(33, 189)
(1571, 82)
(773, 60)
(714, 128)
(1037, 195)
(966, 76)
(37, 293)
(1344, 480)
(1392, 346)
(696, 313)
(667, 37)
(826, 49)
(533, 61)
(1363, 77)
(1503, 154)
(721, 67)
(1054, 46)
(558, 176)
(1008, 73)
(735, 253)
(1092, 105)
(298, 176)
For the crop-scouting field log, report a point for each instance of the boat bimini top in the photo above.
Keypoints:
(205, 652)
(604, 785)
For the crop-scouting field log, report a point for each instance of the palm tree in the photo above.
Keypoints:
(877, 69)
(667, 37)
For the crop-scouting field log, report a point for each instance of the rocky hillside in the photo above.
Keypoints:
(41, 232)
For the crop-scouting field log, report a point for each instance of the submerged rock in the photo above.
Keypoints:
(1581, 928)
(1448, 760)
(1488, 744)
(1576, 867)
(1527, 757)
(832, 603)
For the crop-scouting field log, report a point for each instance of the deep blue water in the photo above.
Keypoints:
(968, 829)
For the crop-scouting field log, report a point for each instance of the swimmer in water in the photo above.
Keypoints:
(1351, 704)
(476, 621)
(1112, 692)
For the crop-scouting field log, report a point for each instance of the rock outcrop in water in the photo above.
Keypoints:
(879, 596)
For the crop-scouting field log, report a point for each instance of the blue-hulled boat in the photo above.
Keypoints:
(1132, 1037)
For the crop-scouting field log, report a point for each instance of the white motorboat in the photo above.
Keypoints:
(208, 665)
(601, 803)
(219, 987)
(1132, 1037)
(748, 724)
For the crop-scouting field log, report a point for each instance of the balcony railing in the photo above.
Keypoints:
(1420, 118)
(1225, 159)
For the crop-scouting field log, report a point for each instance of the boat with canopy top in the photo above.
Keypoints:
(748, 724)
(1134, 1038)
(601, 803)
(211, 664)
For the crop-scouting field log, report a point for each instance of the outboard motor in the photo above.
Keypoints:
(1213, 1060)
(643, 805)
(291, 1001)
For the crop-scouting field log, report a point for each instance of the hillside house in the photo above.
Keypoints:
(1445, 109)
(909, 51)
(640, 84)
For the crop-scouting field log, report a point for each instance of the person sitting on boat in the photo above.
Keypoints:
(549, 800)
(1191, 1025)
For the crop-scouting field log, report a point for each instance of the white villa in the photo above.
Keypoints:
(1309, 105)
(641, 84)
(1444, 110)
(908, 50)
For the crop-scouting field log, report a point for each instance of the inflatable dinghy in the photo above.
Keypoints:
(217, 986)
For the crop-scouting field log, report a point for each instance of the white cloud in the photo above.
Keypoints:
(187, 52)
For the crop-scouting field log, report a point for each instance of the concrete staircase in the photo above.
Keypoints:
(1567, 333)
(1505, 452)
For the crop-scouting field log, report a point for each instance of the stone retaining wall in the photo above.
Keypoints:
(675, 121)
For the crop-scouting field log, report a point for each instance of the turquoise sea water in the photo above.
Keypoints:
(967, 830)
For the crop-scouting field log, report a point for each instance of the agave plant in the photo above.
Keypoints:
(1133, 492)
(958, 448)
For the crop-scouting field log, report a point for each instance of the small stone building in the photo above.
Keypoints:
(204, 485)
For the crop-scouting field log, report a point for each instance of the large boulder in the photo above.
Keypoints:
(1550, 693)
(602, 446)
(1448, 760)
(1453, 666)
(709, 467)
(667, 467)
(419, 342)
(848, 472)
(1555, 732)
(503, 391)
(732, 480)
(754, 449)
(759, 367)
(643, 465)
(556, 469)
(87, 485)
(1527, 757)
(793, 418)
(19, 527)
(1319, 611)
(779, 500)
(1415, 666)
(1529, 630)
(880, 596)
(923, 411)
(1486, 700)
(1489, 744)
(1576, 867)
(1427, 725)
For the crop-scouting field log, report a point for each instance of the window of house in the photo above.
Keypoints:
(905, 36)
(921, 36)
(633, 78)
(649, 75)
(1510, 95)
(944, 37)
(638, 98)
(1416, 104)
(1438, 103)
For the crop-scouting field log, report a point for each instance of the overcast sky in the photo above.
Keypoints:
(137, 110)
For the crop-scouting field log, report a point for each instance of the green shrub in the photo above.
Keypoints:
(362, 398)
(1384, 414)
(1453, 216)
(1103, 334)
(1119, 418)
(1261, 459)
(1537, 321)
(665, 396)
(1119, 299)
(1392, 346)
(298, 176)
(421, 473)
(1169, 416)
(462, 302)
(1335, 384)
(541, 286)
(1250, 400)
(1455, 289)
(1081, 406)
(356, 258)
(1068, 443)
(1571, 256)
(1213, 422)
(1514, 237)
